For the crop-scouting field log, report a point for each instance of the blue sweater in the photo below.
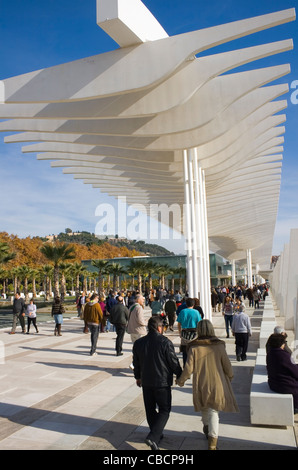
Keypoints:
(189, 318)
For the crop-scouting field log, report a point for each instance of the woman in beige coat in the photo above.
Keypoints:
(210, 366)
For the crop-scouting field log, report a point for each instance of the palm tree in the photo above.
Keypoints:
(5, 253)
(138, 267)
(102, 267)
(77, 270)
(34, 275)
(116, 270)
(15, 275)
(3, 277)
(63, 269)
(163, 271)
(24, 273)
(181, 272)
(57, 254)
(151, 268)
(47, 271)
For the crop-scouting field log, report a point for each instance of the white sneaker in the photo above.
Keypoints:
(131, 366)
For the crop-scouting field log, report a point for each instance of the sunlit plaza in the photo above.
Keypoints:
(187, 130)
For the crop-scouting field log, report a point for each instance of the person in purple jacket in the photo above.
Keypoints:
(282, 371)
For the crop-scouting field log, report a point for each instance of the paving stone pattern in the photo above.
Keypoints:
(55, 396)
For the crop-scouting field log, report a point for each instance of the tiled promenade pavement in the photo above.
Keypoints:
(54, 396)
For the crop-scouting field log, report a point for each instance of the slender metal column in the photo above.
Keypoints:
(187, 227)
(249, 268)
(208, 308)
(196, 287)
(199, 228)
(196, 231)
(233, 273)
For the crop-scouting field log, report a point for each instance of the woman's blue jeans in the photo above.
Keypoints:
(228, 321)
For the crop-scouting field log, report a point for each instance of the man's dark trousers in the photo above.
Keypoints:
(241, 341)
(120, 331)
(161, 398)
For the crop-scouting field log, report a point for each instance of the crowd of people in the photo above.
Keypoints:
(253, 293)
(154, 360)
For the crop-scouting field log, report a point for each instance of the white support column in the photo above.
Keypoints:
(199, 226)
(208, 308)
(291, 285)
(249, 268)
(196, 231)
(193, 223)
(257, 276)
(233, 273)
(187, 227)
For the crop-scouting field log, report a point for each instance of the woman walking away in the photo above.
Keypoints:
(57, 312)
(31, 315)
(210, 366)
(228, 311)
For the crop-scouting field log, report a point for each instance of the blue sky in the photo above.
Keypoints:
(39, 200)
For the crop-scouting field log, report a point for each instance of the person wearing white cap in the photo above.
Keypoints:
(279, 330)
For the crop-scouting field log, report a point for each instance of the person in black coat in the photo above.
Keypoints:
(155, 362)
(18, 310)
(119, 317)
(282, 372)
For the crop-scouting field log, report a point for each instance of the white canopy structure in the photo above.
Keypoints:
(156, 123)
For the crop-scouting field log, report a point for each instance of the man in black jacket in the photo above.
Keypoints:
(119, 317)
(18, 313)
(155, 362)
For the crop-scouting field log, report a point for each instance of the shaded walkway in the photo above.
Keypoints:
(51, 385)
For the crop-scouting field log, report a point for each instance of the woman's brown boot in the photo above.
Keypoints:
(212, 443)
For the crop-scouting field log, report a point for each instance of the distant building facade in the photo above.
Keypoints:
(220, 269)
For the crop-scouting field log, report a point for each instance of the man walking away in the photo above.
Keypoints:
(155, 362)
(119, 317)
(137, 325)
(93, 317)
(241, 329)
(170, 310)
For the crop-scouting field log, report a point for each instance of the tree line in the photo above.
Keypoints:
(61, 266)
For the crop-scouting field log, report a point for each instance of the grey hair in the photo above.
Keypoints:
(205, 329)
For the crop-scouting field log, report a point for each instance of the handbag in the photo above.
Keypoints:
(187, 336)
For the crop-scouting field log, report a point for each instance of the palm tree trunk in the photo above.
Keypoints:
(34, 287)
(150, 281)
(100, 283)
(115, 282)
(47, 288)
(77, 286)
(26, 290)
(56, 281)
(140, 283)
(63, 285)
(15, 284)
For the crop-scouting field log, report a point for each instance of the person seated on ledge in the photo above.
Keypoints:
(280, 330)
(282, 371)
